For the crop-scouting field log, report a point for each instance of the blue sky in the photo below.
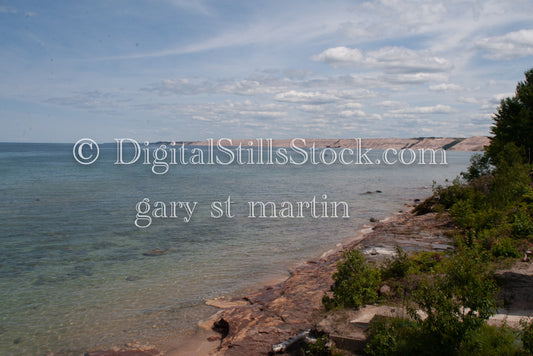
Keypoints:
(191, 70)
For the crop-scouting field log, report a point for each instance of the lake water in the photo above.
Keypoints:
(77, 274)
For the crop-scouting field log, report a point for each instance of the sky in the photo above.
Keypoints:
(192, 70)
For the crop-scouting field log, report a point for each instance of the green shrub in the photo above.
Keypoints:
(320, 348)
(383, 336)
(455, 303)
(396, 336)
(402, 264)
(356, 282)
(504, 247)
(493, 211)
(426, 261)
(475, 213)
(512, 181)
(527, 335)
(521, 222)
(491, 341)
(447, 196)
(479, 166)
(397, 266)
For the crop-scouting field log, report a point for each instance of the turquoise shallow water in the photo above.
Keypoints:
(73, 270)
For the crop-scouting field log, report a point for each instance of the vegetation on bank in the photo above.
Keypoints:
(491, 205)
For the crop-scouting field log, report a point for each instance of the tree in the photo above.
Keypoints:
(356, 282)
(513, 122)
(455, 304)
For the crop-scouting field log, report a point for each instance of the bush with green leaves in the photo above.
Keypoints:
(505, 247)
(321, 347)
(455, 303)
(398, 266)
(493, 212)
(456, 300)
(479, 166)
(389, 336)
(521, 222)
(403, 264)
(396, 336)
(527, 334)
(448, 196)
(356, 282)
(491, 341)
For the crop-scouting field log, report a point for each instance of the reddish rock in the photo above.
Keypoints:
(277, 313)
(124, 353)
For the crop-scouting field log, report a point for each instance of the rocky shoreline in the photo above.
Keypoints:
(254, 323)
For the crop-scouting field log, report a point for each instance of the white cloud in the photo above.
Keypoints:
(254, 87)
(262, 114)
(445, 87)
(352, 106)
(350, 94)
(340, 56)
(391, 104)
(313, 108)
(324, 97)
(437, 109)
(390, 59)
(468, 100)
(390, 52)
(415, 78)
(294, 96)
(508, 46)
(415, 110)
(352, 113)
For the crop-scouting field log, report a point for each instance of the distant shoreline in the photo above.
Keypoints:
(475, 143)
